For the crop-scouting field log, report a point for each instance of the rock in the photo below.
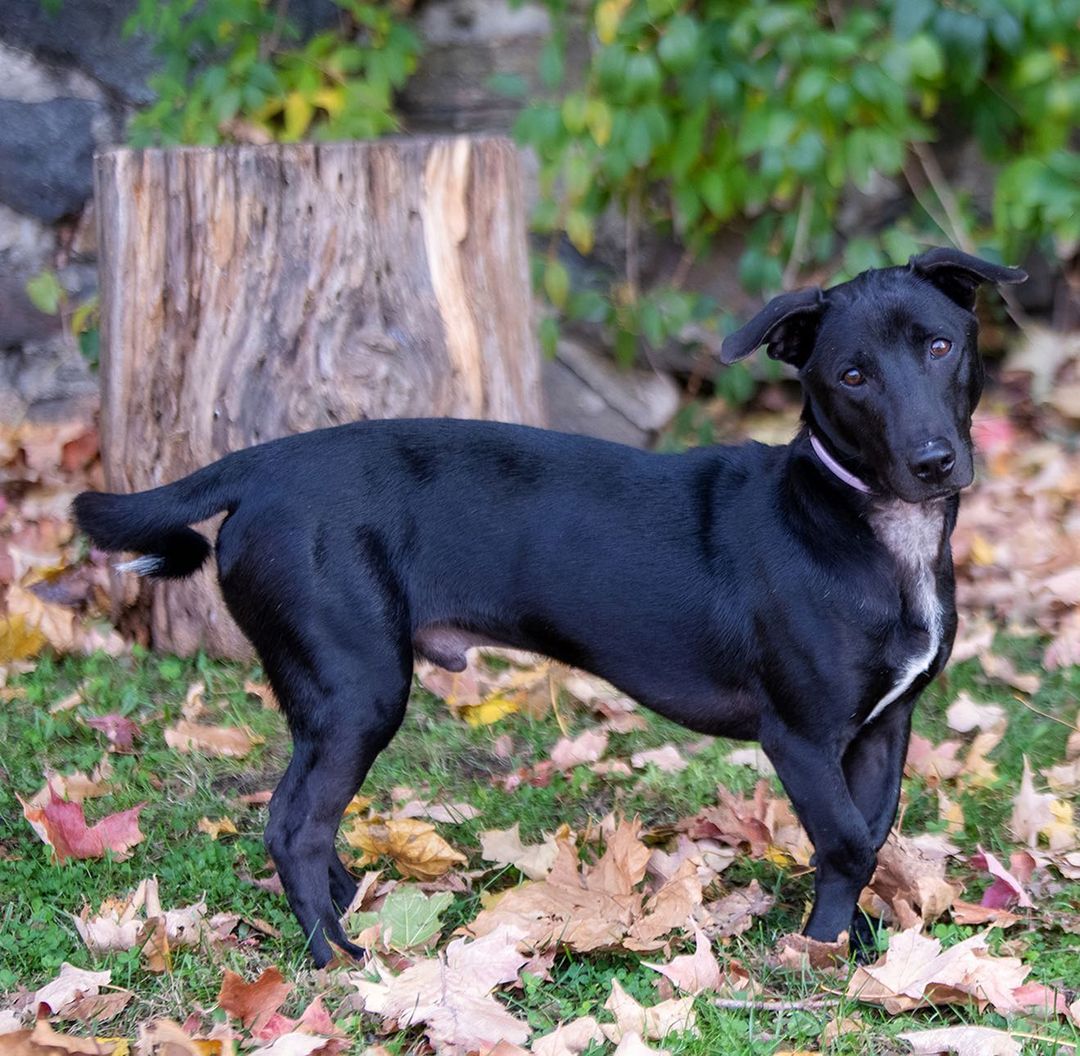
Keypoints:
(51, 380)
(466, 43)
(24, 242)
(87, 34)
(31, 81)
(46, 152)
(20, 321)
(586, 393)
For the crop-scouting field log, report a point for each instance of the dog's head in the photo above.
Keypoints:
(890, 367)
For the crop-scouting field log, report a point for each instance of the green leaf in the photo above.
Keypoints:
(549, 336)
(909, 16)
(45, 292)
(556, 283)
(409, 918)
(679, 44)
(551, 62)
(926, 58)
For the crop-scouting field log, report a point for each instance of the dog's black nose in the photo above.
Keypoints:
(933, 461)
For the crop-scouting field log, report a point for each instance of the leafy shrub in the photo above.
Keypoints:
(232, 69)
(699, 114)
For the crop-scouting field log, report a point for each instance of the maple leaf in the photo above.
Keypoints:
(667, 759)
(633, 1045)
(710, 857)
(119, 730)
(63, 827)
(653, 1022)
(253, 1003)
(1036, 813)
(68, 985)
(970, 913)
(43, 1040)
(978, 771)
(598, 906)
(586, 748)
(693, 972)
(1006, 889)
(233, 742)
(569, 1039)
(448, 813)
(504, 847)
(75, 787)
(222, 827)
(933, 762)
(415, 847)
(451, 995)
(911, 882)
(964, 1041)
(966, 714)
(407, 918)
(734, 913)
(915, 971)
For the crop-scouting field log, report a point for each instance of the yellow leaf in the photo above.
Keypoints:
(332, 100)
(415, 847)
(496, 707)
(608, 16)
(982, 551)
(778, 857)
(18, 640)
(358, 804)
(298, 114)
(222, 827)
(598, 118)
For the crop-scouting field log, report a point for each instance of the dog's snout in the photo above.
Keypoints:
(933, 461)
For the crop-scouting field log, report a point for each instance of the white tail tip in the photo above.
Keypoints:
(147, 565)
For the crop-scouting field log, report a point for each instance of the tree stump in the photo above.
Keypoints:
(252, 292)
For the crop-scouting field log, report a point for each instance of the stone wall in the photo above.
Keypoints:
(69, 81)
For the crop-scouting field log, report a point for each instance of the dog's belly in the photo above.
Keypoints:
(704, 706)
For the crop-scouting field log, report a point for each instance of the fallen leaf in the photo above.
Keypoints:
(966, 714)
(119, 730)
(753, 757)
(222, 827)
(1007, 889)
(907, 880)
(69, 984)
(253, 1003)
(451, 995)
(694, 972)
(734, 913)
(63, 827)
(667, 759)
(447, 813)
(934, 762)
(970, 913)
(915, 971)
(801, 952)
(43, 1040)
(978, 771)
(586, 748)
(1002, 669)
(964, 1041)
(55, 622)
(416, 848)
(654, 1022)
(633, 1045)
(569, 1039)
(407, 918)
(264, 692)
(233, 742)
(504, 847)
(1039, 813)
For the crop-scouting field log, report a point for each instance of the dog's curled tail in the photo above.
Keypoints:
(155, 523)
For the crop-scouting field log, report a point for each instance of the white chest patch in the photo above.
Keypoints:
(912, 533)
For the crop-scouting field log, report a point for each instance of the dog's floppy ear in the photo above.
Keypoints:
(787, 324)
(958, 275)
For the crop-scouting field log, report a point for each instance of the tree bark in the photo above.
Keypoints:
(252, 292)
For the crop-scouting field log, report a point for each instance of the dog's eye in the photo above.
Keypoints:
(940, 347)
(853, 377)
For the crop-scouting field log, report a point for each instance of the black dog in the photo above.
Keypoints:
(801, 596)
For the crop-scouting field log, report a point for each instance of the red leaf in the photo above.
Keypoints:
(119, 729)
(63, 827)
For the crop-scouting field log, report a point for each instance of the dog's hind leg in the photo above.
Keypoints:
(844, 855)
(333, 749)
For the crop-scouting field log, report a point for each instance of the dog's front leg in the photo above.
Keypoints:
(874, 766)
(845, 855)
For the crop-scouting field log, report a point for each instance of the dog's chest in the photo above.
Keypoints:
(913, 534)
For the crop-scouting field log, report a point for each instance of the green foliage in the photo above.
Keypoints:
(47, 295)
(233, 69)
(699, 115)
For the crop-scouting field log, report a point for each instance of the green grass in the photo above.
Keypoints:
(444, 759)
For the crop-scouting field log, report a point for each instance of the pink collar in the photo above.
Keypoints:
(835, 468)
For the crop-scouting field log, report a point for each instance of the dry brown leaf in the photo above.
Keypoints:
(734, 913)
(569, 1039)
(1007, 889)
(675, 1016)
(753, 757)
(667, 759)
(933, 762)
(416, 848)
(964, 1041)
(451, 995)
(75, 787)
(978, 771)
(264, 692)
(1039, 813)
(966, 714)
(633, 1045)
(915, 971)
(588, 747)
(906, 873)
(1002, 669)
(233, 742)
(69, 984)
(446, 813)
(593, 907)
(504, 847)
(970, 913)
(802, 952)
(43, 1040)
(693, 972)
(55, 623)
(253, 1003)
(214, 829)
